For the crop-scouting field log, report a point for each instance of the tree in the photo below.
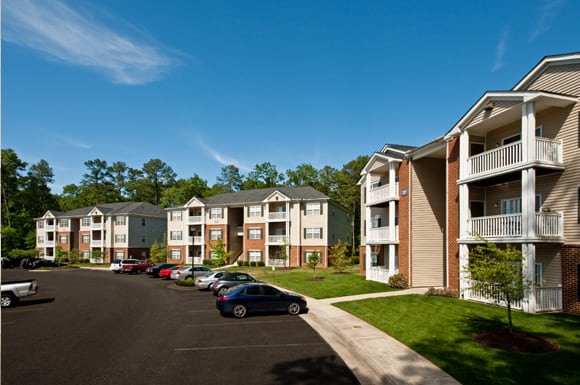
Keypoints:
(313, 260)
(12, 167)
(220, 254)
(304, 175)
(158, 251)
(97, 181)
(338, 257)
(183, 191)
(262, 176)
(119, 176)
(498, 273)
(229, 180)
(158, 176)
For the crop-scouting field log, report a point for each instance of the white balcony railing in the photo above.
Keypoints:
(549, 298)
(277, 216)
(276, 239)
(548, 225)
(195, 240)
(382, 235)
(194, 220)
(49, 243)
(49, 228)
(97, 243)
(378, 274)
(382, 194)
(97, 226)
(503, 157)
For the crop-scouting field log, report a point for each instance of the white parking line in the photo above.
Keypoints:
(233, 323)
(247, 347)
(21, 311)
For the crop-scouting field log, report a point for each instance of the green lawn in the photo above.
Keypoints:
(441, 329)
(329, 285)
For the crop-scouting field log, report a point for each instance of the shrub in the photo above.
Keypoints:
(442, 292)
(185, 282)
(398, 281)
(261, 264)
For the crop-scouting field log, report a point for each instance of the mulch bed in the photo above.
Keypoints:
(518, 342)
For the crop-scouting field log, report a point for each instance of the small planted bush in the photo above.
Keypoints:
(442, 292)
(398, 281)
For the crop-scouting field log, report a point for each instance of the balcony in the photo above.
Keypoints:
(194, 220)
(196, 240)
(510, 157)
(382, 194)
(97, 243)
(548, 226)
(276, 239)
(379, 235)
(277, 216)
(49, 243)
(49, 228)
(97, 226)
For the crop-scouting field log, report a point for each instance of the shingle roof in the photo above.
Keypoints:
(258, 195)
(131, 208)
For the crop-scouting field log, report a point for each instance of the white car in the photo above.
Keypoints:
(116, 266)
(205, 282)
(176, 274)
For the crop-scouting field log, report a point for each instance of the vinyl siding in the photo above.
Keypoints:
(549, 257)
(428, 222)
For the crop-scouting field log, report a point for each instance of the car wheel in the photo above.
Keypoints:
(239, 311)
(8, 299)
(294, 308)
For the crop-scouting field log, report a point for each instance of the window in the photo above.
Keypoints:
(64, 222)
(308, 254)
(514, 205)
(175, 235)
(313, 233)
(313, 208)
(63, 239)
(119, 255)
(216, 213)
(40, 224)
(255, 211)
(215, 234)
(376, 222)
(143, 222)
(120, 221)
(41, 239)
(476, 148)
(175, 216)
(143, 239)
(375, 185)
(175, 254)
(516, 137)
(255, 233)
(86, 221)
(120, 238)
(86, 239)
(86, 254)
(255, 255)
(538, 274)
(269, 290)
(374, 259)
(253, 290)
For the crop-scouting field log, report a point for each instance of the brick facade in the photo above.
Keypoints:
(453, 214)
(405, 258)
(570, 273)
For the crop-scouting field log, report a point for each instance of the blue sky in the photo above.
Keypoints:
(204, 84)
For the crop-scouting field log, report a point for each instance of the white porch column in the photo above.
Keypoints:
(528, 203)
(392, 266)
(528, 134)
(367, 261)
(203, 220)
(367, 229)
(463, 188)
(463, 274)
(392, 204)
(529, 272)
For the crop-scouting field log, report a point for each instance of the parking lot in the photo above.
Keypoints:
(96, 327)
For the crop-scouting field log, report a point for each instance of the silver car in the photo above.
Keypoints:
(199, 271)
(205, 282)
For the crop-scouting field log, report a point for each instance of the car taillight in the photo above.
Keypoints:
(222, 298)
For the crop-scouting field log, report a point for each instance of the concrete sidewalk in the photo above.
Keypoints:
(372, 355)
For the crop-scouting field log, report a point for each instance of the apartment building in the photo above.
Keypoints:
(115, 230)
(508, 171)
(258, 225)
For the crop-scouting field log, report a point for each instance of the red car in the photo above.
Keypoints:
(166, 273)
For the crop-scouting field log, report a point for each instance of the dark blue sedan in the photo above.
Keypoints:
(259, 297)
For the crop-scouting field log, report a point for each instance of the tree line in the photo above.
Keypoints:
(26, 193)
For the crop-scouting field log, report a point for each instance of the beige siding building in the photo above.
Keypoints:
(258, 226)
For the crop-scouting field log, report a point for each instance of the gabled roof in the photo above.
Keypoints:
(259, 195)
(547, 61)
(122, 208)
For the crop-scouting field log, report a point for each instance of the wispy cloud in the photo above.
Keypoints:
(220, 158)
(73, 143)
(500, 50)
(56, 29)
(547, 16)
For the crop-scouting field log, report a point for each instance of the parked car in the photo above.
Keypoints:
(13, 291)
(166, 273)
(176, 274)
(154, 270)
(229, 280)
(115, 266)
(199, 271)
(38, 263)
(259, 297)
(135, 266)
(205, 282)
